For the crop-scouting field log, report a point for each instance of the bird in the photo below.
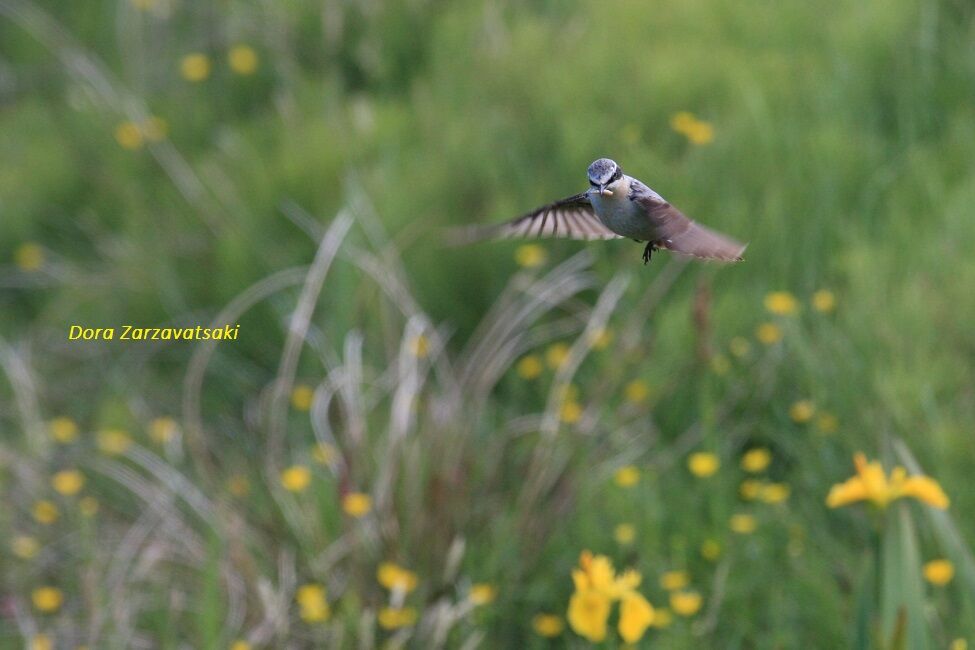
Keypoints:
(617, 206)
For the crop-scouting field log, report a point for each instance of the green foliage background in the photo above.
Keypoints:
(843, 153)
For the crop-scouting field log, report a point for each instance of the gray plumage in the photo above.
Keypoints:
(616, 205)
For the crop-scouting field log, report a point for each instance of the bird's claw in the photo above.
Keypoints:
(648, 252)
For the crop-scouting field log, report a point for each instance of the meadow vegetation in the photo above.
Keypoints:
(502, 445)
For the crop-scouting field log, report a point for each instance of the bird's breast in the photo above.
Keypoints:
(620, 214)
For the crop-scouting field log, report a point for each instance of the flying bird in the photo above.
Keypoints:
(617, 205)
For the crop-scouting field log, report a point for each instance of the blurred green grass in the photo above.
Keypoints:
(842, 153)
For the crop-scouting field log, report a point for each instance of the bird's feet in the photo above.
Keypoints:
(648, 252)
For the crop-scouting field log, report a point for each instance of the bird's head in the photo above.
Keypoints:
(603, 174)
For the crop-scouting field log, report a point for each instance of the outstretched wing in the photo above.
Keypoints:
(679, 234)
(570, 218)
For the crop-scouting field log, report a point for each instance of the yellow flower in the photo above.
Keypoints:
(394, 577)
(720, 365)
(113, 442)
(695, 130)
(637, 391)
(661, 618)
(302, 396)
(556, 355)
(324, 453)
(749, 489)
(826, 423)
(68, 482)
(627, 476)
(636, 615)
(596, 573)
(312, 603)
(685, 603)
(672, 580)
(774, 492)
(547, 625)
(242, 59)
(155, 128)
(824, 301)
(871, 484)
(128, 135)
(393, 618)
(195, 67)
(47, 599)
(63, 430)
(571, 412)
(529, 367)
(530, 256)
(756, 460)
(624, 534)
(296, 478)
(588, 613)
(88, 506)
(420, 347)
(356, 504)
(958, 644)
(703, 464)
(781, 303)
(740, 347)
(939, 572)
(45, 512)
(601, 338)
(743, 524)
(24, 546)
(41, 642)
(482, 593)
(710, 550)
(162, 430)
(802, 411)
(768, 333)
(29, 257)
(238, 485)
(240, 644)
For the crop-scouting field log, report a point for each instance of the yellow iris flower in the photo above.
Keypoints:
(872, 484)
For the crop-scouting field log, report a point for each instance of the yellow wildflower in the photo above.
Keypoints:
(588, 613)
(393, 618)
(939, 572)
(637, 391)
(162, 430)
(63, 430)
(600, 338)
(827, 423)
(482, 593)
(743, 524)
(394, 577)
(128, 135)
(824, 301)
(636, 615)
(529, 366)
(46, 512)
(240, 644)
(547, 625)
(768, 333)
(756, 460)
(88, 506)
(627, 476)
(958, 644)
(871, 484)
(624, 534)
(685, 603)
(324, 453)
(113, 442)
(740, 347)
(720, 365)
(296, 478)
(356, 504)
(41, 641)
(703, 464)
(802, 411)
(302, 396)
(556, 355)
(238, 485)
(530, 256)
(710, 550)
(595, 573)
(661, 618)
(774, 492)
(68, 482)
(696, 131)
(313, 606)
(242, 59)
(195, 67)
(47, 599)
(749, 489)
(420, 347)
(571, 412)
(672, 580)
(781, 303)
(24, 546)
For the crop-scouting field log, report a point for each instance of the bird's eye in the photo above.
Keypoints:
(618, 174)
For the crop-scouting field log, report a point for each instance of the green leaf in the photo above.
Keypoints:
(902, 591)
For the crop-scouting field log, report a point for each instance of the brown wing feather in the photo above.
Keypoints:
(682, 235)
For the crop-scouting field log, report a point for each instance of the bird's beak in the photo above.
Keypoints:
(604, 192)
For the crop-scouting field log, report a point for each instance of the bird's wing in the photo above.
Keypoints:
(571, 218)
(682, 235)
